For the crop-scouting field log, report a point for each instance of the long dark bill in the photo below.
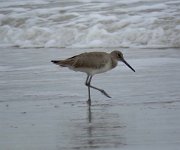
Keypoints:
(128, 65)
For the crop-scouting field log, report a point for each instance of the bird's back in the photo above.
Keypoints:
(94, 60)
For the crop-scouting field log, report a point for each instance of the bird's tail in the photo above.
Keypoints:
(55, 61)
(59, 62)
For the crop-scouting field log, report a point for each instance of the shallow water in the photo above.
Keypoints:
(90, 23)
(44, 107)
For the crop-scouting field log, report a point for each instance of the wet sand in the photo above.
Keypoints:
(43, 107)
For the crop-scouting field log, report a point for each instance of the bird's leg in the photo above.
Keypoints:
(101, 90)
(89, 94)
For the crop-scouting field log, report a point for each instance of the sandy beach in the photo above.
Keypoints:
(43, 107)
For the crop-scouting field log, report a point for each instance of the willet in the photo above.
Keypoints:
(93, 63)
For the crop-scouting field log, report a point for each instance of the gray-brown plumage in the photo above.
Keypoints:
(93, 63)
(93, 60)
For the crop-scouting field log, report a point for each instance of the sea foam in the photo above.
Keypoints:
(90, 24)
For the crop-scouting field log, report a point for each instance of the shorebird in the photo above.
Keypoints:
(93, 63)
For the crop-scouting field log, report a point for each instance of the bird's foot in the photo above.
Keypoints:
(103, 92)
(89, 102)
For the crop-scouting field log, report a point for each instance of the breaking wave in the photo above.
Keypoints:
(133, 23)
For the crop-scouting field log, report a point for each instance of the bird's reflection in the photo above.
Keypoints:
(89, 114)
(103, 128)
(90, 128)
(100, 128)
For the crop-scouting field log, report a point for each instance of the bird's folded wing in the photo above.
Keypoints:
(89, 60)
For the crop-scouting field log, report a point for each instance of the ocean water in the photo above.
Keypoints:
(90, 23)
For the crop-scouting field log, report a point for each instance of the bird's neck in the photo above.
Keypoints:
(114, 63)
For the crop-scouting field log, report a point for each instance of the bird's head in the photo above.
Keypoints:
(117, 55)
